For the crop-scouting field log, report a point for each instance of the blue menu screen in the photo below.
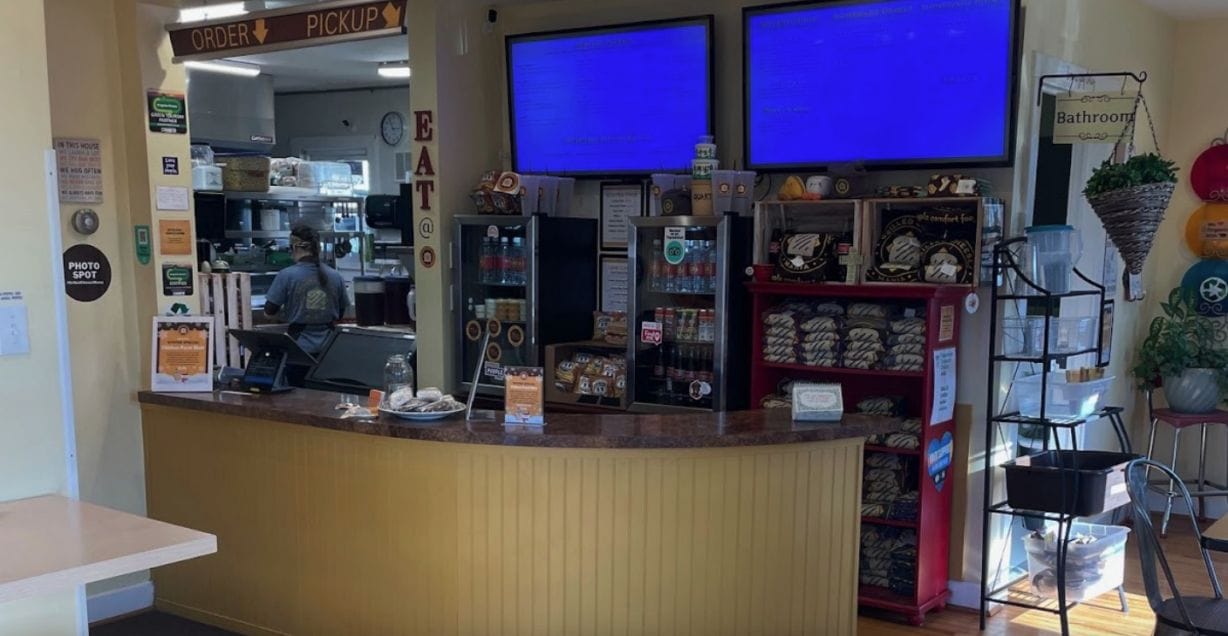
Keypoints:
(621, 100)
(891, 81)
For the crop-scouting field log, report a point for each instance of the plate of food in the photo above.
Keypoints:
(424, 406)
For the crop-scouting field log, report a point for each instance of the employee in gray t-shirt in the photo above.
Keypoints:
(309, 295)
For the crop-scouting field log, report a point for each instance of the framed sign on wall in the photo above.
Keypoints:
(620, 201)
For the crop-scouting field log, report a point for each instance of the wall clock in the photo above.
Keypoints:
(392, 128)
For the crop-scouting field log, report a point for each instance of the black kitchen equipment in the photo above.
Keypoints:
(369, 300)
(391, 212)
(396, 300)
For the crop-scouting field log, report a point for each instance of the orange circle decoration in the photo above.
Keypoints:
(1206, 232)
(473, 331)
(1209, 174)
(494, 352)
(494, 327)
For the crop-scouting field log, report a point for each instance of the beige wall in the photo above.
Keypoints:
(85, 102)
(447, 40)
(97, 81)
(1199, 114)
(1100, 36)
(32, 441)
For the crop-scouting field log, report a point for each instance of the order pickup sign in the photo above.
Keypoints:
(650, 333)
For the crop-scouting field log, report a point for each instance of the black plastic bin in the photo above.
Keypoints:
(1079, 483)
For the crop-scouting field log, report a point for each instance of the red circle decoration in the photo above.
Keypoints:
(1209, 175)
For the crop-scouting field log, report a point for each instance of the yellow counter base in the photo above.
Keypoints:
(327, 532)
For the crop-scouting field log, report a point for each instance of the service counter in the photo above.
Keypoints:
(725, 523)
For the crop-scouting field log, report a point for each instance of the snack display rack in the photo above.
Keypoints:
(950, 240)
(927, 463)
(1060, 480)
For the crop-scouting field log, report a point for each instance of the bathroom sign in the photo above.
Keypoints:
(1092, 118)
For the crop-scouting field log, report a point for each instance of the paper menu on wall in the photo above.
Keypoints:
(615, 284)
(942, 408)
(173, 199)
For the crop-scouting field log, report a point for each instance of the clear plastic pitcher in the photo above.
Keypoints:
(1052, 253)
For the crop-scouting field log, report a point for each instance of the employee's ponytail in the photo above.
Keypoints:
(307, 238)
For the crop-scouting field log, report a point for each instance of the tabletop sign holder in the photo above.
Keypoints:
(480, 414)
(817, 402)
(524, 398)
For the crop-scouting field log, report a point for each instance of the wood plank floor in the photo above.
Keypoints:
(1101, 616)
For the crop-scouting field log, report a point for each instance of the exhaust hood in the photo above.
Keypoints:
(230, 112)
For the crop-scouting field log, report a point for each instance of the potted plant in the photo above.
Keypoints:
(1180, 353)
(1130, 198)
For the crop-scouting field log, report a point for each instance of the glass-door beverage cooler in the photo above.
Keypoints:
(690, 342)
(529, 282)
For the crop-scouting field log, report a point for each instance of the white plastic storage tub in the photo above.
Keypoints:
(1064, 401)
(1025, 336)
(326, 177)
(1092, 568)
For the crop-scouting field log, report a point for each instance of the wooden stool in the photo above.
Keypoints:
(1179, 422)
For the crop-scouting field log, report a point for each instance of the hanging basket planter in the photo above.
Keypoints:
(1131, 197)
(1131, 217)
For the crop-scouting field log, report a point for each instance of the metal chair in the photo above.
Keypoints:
(1196, 615)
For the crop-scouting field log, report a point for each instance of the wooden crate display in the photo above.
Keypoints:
(559, 391)
(924, 241)
(829, 233)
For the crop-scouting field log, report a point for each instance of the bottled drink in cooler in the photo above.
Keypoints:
(696, 265)
(502, 260)
(710, 267)
(671, 278)
(656, 269)
(518, 261)
(484, 260)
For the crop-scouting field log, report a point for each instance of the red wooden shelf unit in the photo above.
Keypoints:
(943, 305)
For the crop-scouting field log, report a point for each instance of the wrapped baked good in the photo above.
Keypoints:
(430, 394)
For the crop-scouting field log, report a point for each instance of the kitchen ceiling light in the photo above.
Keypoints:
(399, 70)
(229, 68)
(211, 12)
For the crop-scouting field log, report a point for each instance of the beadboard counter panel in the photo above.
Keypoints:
(323, 531)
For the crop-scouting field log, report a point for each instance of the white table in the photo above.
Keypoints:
(52, 543)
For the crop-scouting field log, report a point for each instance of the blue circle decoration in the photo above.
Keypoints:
(1208, 281)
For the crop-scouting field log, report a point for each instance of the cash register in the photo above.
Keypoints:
(272, 353)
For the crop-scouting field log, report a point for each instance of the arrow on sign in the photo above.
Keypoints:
(260, 31)
(392, 16)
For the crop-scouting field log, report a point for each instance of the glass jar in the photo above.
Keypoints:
(397, 375)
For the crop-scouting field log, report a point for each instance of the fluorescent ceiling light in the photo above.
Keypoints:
(229, 68)
(211, 12)
(397, 70)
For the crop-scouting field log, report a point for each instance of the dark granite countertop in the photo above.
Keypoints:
(698, 430)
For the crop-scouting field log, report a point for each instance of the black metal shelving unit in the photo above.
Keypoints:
(1004, 262)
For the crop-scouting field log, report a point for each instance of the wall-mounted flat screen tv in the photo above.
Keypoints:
(887, 83)
(625, 99)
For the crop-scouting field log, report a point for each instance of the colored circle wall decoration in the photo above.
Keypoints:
(1209, 175)
(1206, 231)
(1208, 281)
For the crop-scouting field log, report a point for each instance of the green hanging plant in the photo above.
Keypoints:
(1138, 170)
